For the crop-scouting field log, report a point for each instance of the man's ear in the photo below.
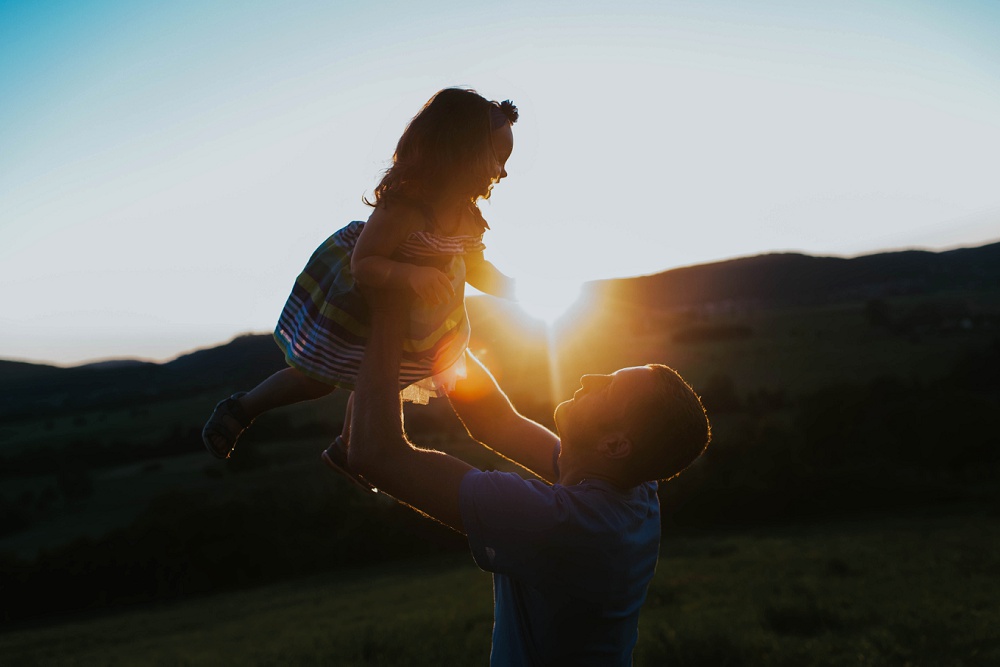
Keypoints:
(615, 446)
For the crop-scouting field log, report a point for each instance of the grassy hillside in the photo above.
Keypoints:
(886, 403)
(903, 590)
(69, 470)
(791, 279)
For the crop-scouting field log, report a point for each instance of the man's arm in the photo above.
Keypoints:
(491, 419)
(426, 480)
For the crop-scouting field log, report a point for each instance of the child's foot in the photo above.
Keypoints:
(335, 456)
(228, 422)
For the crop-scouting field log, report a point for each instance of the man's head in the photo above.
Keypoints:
(637, 424)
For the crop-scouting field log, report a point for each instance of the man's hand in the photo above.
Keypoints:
(430, 284)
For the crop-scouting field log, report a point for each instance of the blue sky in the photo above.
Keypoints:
(167, 167)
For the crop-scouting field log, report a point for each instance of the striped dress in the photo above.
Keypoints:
(324, 326)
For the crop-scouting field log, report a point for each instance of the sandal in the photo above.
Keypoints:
(335, 456)
(218, 428)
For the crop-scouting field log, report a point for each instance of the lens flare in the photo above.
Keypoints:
(549, 300)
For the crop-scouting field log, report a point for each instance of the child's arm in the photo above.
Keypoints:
(371, 266)
(481, 274)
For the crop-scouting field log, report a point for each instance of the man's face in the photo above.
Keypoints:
(603, 405)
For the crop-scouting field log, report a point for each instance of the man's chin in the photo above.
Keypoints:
(560, 410)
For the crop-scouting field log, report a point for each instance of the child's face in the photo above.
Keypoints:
(503, 145)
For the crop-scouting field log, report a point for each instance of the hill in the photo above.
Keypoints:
(762, 281)
(27, 388)
(834, 386)
(794, 279)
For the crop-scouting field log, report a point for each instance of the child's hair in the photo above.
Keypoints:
(447, 144)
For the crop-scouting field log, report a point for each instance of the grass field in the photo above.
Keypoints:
(122, 493)
(899, 590)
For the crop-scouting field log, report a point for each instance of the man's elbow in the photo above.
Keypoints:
(360, 457)
(371, 459)
(482, 415)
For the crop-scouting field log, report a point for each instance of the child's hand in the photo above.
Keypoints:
(431, 285)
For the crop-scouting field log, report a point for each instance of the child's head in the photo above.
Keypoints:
(447, 149)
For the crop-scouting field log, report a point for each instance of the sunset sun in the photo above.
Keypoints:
(548, 301)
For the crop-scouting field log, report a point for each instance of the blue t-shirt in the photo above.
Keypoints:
(570, 565)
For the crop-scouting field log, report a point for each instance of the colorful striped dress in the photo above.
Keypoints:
(324, 326)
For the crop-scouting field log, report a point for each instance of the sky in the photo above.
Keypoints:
(166, 168)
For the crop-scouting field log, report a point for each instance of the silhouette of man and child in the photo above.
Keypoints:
(379, 310)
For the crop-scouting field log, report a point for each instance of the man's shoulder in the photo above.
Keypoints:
(534, 504)
(497, 498)
(500, 484)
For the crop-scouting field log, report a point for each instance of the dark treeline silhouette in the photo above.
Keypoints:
(846, 448)
(99, 452)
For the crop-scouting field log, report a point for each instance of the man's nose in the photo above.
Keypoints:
(589, 381)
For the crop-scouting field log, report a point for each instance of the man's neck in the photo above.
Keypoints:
(574, 474)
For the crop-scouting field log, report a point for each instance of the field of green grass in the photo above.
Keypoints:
(900, 590)
(120, 494)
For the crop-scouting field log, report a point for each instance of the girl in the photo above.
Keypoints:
(424, 235)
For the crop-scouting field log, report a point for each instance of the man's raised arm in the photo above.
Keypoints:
(491, 419)
(426, 480)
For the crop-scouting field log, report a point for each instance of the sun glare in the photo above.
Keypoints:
(548, 301)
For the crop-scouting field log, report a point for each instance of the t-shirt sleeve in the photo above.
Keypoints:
(508, 520)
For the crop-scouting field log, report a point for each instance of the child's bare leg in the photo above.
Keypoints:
(233, 415)
(285, 387)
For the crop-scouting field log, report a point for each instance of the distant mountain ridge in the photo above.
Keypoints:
(786, 279)
(243, 361)
(797, 279)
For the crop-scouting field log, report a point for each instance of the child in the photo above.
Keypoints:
(424, 235)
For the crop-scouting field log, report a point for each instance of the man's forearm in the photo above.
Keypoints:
(491, 419)
(427, 480)
(377, 423)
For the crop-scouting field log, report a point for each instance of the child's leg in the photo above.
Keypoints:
(233, 415)
(285, 387)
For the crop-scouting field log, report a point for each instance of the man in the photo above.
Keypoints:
(572, 557)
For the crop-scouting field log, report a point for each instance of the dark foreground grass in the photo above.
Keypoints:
(904, 590)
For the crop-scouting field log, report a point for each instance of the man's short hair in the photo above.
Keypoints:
(669, 428)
